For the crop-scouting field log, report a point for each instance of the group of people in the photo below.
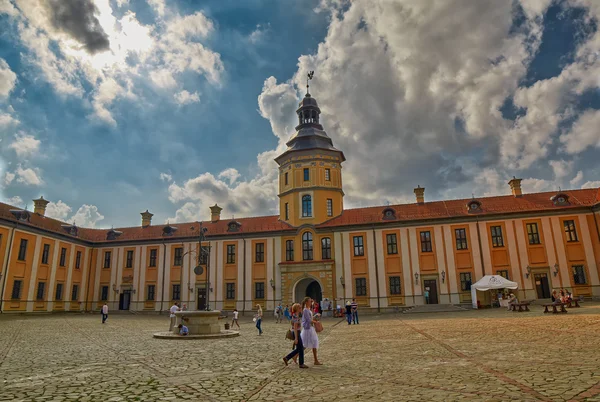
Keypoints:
(352, 312)
(182, 328)
(304, 334)
(564, 296)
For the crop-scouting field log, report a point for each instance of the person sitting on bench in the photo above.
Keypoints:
(512, 299)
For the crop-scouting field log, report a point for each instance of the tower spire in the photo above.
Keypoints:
(309, 77)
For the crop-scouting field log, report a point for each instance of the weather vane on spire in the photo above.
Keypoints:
(309, 77)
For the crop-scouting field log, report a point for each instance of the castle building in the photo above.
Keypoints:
(384, 256)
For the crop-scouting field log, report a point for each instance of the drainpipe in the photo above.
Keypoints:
(480, 247)
(244, 283)
(376, 269)
(12, 235)
(162, 290)
(87, 293)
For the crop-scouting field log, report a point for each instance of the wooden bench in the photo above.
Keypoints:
(554, 310)
(573, 303)
(520, 305)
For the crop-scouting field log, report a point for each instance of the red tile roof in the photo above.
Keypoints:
(506, 204)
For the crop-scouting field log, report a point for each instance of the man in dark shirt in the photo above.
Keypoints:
(348, 312)
(354, 309)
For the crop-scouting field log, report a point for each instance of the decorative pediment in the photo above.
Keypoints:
(473, 206)
(169, 230)
(233, 226)
(113, 234)
(388, 214)
(560, 199)
(21, 214)
(71, 229)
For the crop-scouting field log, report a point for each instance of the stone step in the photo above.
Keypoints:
(434, 308)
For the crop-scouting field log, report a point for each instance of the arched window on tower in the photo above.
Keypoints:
(315, 116)
(306, 206)
(307, 246)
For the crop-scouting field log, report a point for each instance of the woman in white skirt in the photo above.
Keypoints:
(310, 340)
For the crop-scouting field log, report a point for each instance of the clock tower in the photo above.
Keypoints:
(310, 171)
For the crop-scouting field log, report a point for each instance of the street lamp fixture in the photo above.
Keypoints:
(272, 282)
(443, 276)
(343, 281)
(528, 272)
(416, 277)
(556, 268)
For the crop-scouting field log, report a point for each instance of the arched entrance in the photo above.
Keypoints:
(308, 287)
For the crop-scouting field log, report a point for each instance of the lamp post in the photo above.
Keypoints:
(198, 268)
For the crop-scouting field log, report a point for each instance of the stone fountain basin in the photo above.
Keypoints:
(201, 325)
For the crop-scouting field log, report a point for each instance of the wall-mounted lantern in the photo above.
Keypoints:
(443, 276)
(272, 282)
(556, 267)
(416, 277)
(528, 272)
(342, 281)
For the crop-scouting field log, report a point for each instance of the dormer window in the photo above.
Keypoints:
(169, 230)
(113, 234)
(560, 199)
(473, 206)
(20, 214)
(70, 229)
(389, 214)
(233, 226)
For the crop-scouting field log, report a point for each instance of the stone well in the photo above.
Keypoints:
(201, 325)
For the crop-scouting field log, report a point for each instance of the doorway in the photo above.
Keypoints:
(125, 299)
(308, 287)
(201, 292)
(433, 293)
(542, 287)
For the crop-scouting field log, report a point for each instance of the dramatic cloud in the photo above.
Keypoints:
(8, 79)
(8, 178)
(184, 97)
(25, 145)
(7, 120)
(86, 215)
(15, 201)
(583, 133)
(166, 177)
(28, 176)
(78, 19)
(230, 174)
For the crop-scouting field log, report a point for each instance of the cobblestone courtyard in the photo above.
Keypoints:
(490, 355)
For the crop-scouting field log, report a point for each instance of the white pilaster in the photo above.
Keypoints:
(451, 274)
(51, 291)
(406, 271)
(589, 254)
(68, 286)
(349, 289)
(34, 267)
(383, 301)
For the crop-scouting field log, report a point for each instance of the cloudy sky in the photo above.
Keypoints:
(112, 107)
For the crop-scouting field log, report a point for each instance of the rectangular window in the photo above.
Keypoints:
(107, 259)
(571, 231)
(465, 281)
(286, 178)
(329, 207)
(461, 239)
(289, 250)
(426, 242)
(231, 254)
(287, 211)
(259, 252)
(392, 243)
(59, 291)
(176, 292)
(129, 259)
(104, 293)
(503, 273)
(306, 174)
(204, 252)
(361, 286)
(327, 175)
(359, 249)
(394, 285)
(178, 257)
(63, 257)
(41, 290)
(16, 290)
(22, 250)
(150, 292)
(326, 248)
(230, 291)
(45, 254)
(579, 275)
(533, 234)
(78, 260)
(497, 239)
(74, 292)
(153, 254)
(259, 290)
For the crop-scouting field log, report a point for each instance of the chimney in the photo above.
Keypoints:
(39, 206)
(146, 218)
(420, 193)
(515, 186)
(215, 213)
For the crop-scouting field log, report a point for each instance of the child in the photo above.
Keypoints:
(235, 318)
(183, 330)
(286, 312)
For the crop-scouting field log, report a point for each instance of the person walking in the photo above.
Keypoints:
(354, 306)
(104, 310)
(278, 313)
(174, 308)
(259, 314)
(235, 318)
(348, 312)
(298, 346)
(286, 312)
(310, 339)
(426, 294)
